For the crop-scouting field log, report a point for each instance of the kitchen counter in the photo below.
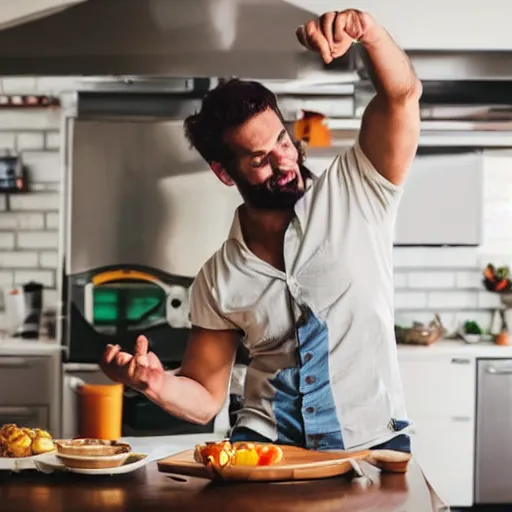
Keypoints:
(18, 347)
(483, 349)
(456, 348)
(148, 489)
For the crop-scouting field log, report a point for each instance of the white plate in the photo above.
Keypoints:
(20, 463)
(51, 463)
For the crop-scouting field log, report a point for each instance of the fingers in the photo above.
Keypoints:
(311, 37)
(132, 367)
(301, 36)
(110, 353)
(122, 358)
(154, 362)
(327, 25)
(339, 25)
(113, 362)
(142, 361)
(342, 41)
(333, 33)
(141, 346)
(138, 375)
(135, 370)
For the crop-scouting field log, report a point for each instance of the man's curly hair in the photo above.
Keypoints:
(229, 105)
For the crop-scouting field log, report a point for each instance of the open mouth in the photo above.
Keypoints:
(285, 178)
(284, 181)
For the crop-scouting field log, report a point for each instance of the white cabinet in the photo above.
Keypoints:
(439, 386)
(440, 399)
(30, 390)
(442, 202)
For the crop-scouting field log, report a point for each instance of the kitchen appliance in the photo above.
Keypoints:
(12, 177)
(141, 213)
(23, 310)
(493, 433)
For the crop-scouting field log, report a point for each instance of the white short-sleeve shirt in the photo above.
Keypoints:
(338, 260)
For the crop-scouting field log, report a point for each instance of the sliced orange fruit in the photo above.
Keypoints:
(218, 454)
(269, 454)
(225, 454)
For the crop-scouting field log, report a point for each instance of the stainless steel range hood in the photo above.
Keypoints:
(23, 11)
(210, 38)
(172, 38)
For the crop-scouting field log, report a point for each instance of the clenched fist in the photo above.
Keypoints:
(141, 371)
(333, 33)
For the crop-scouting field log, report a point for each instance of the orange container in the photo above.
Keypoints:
(100, 411)
(503, 338)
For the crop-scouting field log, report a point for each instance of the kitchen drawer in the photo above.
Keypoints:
(439, 387)
(25, 380)
(34, 417)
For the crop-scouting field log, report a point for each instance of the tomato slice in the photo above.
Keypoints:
(269, 454)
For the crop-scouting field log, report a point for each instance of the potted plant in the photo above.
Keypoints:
(471, 332)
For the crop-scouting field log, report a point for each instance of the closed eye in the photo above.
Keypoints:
(260, 162)
(261, 158)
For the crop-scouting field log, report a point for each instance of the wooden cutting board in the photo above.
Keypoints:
(296, 464)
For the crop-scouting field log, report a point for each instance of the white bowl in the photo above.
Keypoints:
(472, 338)
(93, 462)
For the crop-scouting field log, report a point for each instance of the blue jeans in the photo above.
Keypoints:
(400, 443)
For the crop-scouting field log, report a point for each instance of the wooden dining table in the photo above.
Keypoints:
(147, 489)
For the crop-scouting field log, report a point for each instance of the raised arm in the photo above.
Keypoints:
(391, 122)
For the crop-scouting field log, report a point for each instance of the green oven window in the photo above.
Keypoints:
(105, 304)
(130, 303)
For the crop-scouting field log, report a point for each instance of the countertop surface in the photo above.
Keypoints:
(456, 348)
(19, 347)
(148, 489)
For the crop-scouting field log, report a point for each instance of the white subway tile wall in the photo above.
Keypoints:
(444, 280)
(29, 222)
(448, 280)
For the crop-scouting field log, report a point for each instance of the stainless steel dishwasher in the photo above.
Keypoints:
(493, 463)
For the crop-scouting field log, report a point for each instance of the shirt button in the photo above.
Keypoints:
(308, 356)
(310, 410)
(310, 379)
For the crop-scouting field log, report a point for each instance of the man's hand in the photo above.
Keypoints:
(333, 33)
(141, 371)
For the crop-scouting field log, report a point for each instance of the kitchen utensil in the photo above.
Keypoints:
(296, 464)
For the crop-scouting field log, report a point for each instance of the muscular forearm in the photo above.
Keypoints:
(389, 67)
(185, 398)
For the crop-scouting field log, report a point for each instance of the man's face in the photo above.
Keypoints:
(266, 166)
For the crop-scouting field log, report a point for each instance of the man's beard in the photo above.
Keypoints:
(270, 195)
